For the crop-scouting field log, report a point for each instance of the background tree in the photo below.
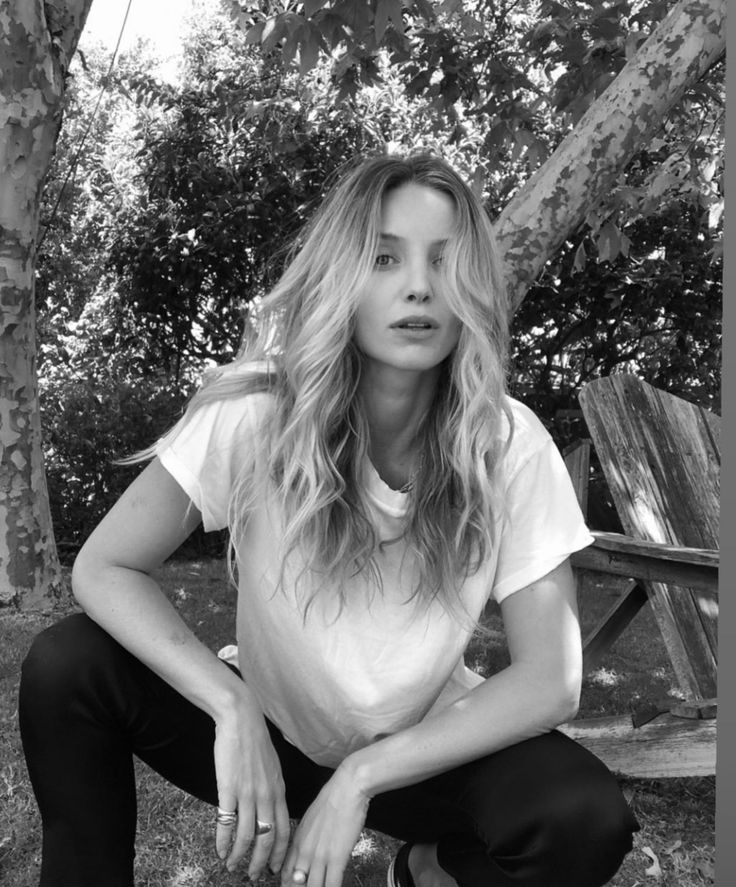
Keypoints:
(37, 40)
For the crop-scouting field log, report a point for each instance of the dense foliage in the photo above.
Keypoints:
(185, 196)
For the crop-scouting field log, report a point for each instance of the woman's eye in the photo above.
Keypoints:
(383, 259)
(438, 260)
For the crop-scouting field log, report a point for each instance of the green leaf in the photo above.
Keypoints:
(276, 29)
(255, 34)
(609, 242)
(387, 11)
(313, 6)
(380, 22)
(396, 15)
(290, 46)
(580, 259)
(308, 54)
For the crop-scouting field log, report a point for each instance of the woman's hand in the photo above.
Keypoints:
(249, 781)
(326, 835)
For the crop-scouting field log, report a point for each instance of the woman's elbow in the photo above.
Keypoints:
(79, 582)
(568, 709)
(566, 697)
(87, 576)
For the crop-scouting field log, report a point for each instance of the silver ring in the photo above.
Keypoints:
(263, 828)
(226, 817)
(298, 876)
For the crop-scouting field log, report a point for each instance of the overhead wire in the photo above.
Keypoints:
(78, 151)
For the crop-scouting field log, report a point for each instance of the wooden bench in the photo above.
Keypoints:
(661, 458)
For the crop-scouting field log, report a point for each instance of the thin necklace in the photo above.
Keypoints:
(409, 485)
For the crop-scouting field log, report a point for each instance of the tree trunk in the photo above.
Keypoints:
(37, 40)
(554, 202)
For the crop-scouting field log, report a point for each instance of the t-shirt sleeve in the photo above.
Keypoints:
(209, 448)
(543, 523)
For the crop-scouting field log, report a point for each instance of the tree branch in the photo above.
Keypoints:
(554, 201)
(65, 20)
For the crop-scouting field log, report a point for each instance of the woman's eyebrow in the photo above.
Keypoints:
(395, 238)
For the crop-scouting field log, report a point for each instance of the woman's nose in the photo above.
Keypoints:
(418, 286)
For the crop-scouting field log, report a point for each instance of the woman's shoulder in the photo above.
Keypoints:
(234, 402)
(528, 428)
(523, 434)
(239, 392)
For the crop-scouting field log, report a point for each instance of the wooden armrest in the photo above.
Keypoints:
(654, 561)
(709, 557)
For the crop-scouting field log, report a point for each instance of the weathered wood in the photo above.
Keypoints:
(667, 746)
(661, 459)
(577, 461)
(659, 551)
(612, 624)
(696, 708)
(625, 556)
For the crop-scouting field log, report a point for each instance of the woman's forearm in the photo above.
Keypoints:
(514, 705)
(130, 606)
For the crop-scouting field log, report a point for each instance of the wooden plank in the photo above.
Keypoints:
(676, 553)
(611, 626)
(647, 566)
(661, 459)
(667, 746)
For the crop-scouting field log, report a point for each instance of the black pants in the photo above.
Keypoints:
(543, 813)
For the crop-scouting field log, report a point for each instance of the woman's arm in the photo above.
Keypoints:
(536, 692)
(112, 581)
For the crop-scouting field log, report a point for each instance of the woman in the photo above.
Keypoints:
(379, 486)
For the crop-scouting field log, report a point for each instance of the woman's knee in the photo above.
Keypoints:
(559, 819)
(62, 658)
(588, 827)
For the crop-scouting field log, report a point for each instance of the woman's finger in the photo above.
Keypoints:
(299, 867)
(287, 868)
(226, 822)
(243, 833)
(315, 875)
(281, 838)
(263, 841)
(334, 876)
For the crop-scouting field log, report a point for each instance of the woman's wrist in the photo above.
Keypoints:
(234, 699)
(359, 772)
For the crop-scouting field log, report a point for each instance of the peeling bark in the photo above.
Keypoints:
(37, 40)
(556, 199)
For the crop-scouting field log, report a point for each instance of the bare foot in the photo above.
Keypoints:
(424, 868)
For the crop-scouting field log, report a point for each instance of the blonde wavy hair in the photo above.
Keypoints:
(299, 346)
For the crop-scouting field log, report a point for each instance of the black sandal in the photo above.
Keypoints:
(398, 874)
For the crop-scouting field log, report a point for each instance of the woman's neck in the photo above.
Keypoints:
(394, 407)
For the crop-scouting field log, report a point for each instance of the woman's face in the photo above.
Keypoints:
(403, 321)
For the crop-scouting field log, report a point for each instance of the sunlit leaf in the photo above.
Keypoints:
(580, 259)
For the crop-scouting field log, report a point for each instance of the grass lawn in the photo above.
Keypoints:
(675, 847)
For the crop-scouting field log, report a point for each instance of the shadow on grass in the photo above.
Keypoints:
(675, 847)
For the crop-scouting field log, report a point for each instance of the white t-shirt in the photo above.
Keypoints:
(335, 683)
